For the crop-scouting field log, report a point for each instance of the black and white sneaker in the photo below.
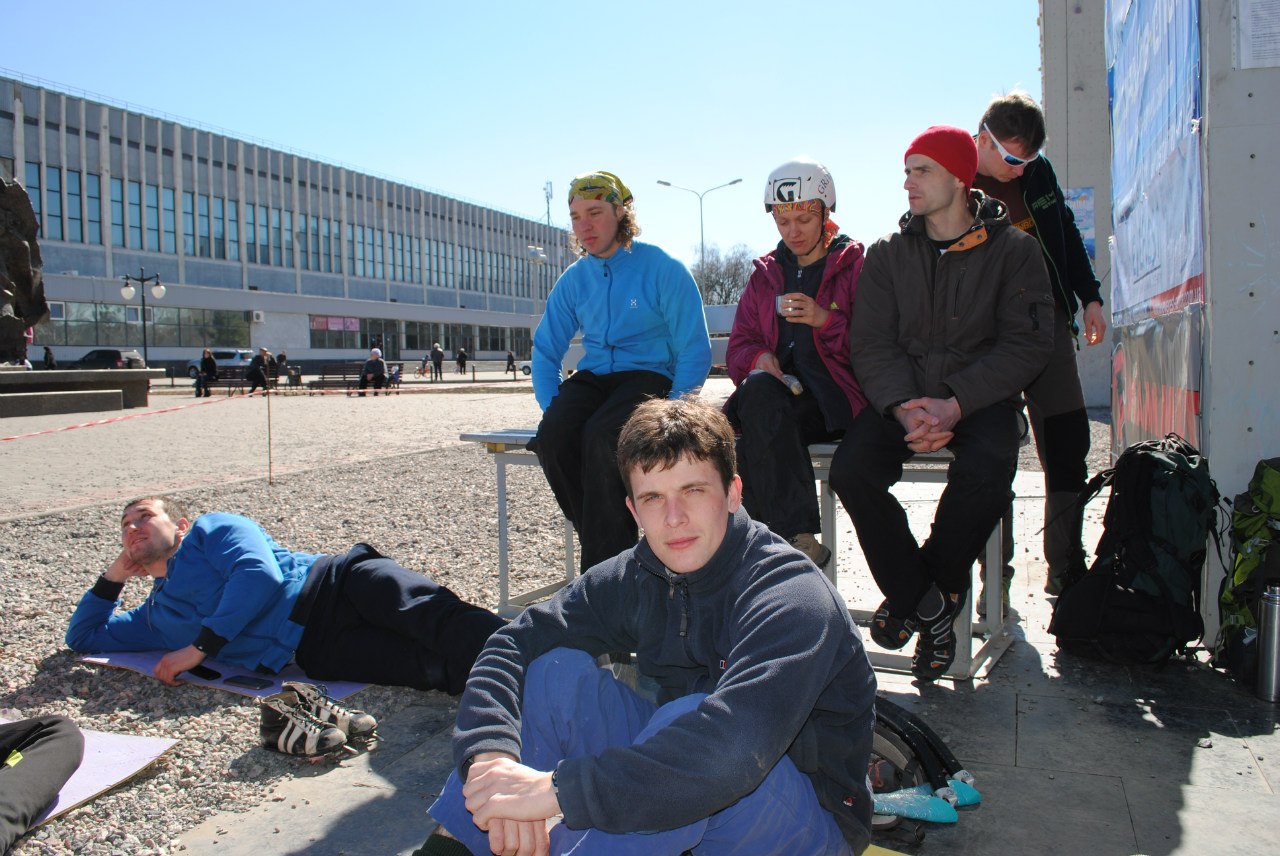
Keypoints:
(287, 727)
(315, 700)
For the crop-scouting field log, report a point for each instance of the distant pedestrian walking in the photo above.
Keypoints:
(462, 361)
(437, 362)
(511, 362)
(257, 371)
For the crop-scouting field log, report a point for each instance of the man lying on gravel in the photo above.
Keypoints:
(762, 738)
(223, 588)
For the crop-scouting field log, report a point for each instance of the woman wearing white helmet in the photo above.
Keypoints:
(789, 354)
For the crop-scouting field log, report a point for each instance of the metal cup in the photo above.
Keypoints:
(778, 302)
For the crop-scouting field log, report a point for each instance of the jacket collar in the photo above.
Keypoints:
(718, 569)
(844, 252)
(621, 257)
(989, 216)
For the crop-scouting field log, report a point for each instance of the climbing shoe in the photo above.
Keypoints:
(315, 700)
(889, 632)
(287, 727)
(936, 648)
(811, 547)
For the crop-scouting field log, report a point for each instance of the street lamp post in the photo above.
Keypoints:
(702, 237)
(157, 291)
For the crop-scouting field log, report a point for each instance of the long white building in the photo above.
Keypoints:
(257, 246)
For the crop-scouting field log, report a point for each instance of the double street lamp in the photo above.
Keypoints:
(702, 236)
(157, 291)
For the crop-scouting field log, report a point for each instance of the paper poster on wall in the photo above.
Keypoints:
(1257, 33)
(1155, 385)
(1080, 201)
(1153, 62)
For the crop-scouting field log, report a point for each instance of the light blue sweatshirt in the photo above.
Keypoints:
(639, 309)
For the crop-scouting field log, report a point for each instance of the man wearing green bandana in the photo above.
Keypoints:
(643, 335)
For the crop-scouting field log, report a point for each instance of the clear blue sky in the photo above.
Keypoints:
(490, 100)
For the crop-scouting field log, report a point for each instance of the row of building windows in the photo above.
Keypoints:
(115, 325)
(393, 337)
(112, 324)
(145, 217)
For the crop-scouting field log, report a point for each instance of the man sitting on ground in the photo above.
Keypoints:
(224, 589)
(760, 737)
(953, 320)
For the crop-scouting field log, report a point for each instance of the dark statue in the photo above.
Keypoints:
(22, 303)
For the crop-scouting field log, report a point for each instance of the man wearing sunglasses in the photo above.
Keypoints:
(1012, 169)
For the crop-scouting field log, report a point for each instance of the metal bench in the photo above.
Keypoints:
(508, 447)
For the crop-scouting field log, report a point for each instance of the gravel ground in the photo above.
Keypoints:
(395, 477)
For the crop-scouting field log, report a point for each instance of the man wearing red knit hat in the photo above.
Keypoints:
(954, 318)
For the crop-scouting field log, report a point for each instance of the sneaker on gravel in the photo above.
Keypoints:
(936, 648)
(289, 728)
(811, 547)
(315, 700)
(889, 632)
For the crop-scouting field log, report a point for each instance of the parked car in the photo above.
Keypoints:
(223, 357)
(526, 367)
(111, 358)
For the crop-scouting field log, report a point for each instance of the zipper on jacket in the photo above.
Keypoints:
(672, 580)
(684, 609)
(608, 309)
(1033, 309)
(955, 292)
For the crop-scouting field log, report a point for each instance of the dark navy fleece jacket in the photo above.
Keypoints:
(759, 628)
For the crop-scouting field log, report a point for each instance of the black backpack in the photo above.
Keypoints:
(1140, 600)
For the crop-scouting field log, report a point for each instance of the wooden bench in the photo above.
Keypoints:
(235, 378)
(508, 448)
(347, 376)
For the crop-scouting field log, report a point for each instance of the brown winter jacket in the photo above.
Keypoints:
(979, 328)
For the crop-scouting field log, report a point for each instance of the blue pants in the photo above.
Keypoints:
(574, 708)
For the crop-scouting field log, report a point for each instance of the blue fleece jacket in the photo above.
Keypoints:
(759, 628)
(637, 309)
(228, 582)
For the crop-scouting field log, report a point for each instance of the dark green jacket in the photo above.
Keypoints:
(1070, 272)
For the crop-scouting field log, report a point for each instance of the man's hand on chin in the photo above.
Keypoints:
(176, 662)
(123, 568)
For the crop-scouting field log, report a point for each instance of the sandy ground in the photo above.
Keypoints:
(181, 442)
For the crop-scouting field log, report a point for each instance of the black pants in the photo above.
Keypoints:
(202, 385)
(773, 453)
(978, 491)
(257, 378)
(379, 381)
(51, 748)
(437, 371)
(577, 446)
(372, 620)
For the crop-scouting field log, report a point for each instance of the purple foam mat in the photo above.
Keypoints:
(144, 662)
(109, 759)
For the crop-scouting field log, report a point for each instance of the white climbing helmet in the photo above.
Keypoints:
(800, 180)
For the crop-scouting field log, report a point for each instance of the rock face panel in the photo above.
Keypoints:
(22, 303)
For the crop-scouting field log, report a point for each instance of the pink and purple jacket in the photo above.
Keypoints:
(755, 326)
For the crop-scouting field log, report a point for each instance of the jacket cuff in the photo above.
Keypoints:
(209, 643)
(106, 589)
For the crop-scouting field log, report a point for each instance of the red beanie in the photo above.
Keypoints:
(951, 147)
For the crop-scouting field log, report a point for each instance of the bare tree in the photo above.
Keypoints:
(722, 278)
